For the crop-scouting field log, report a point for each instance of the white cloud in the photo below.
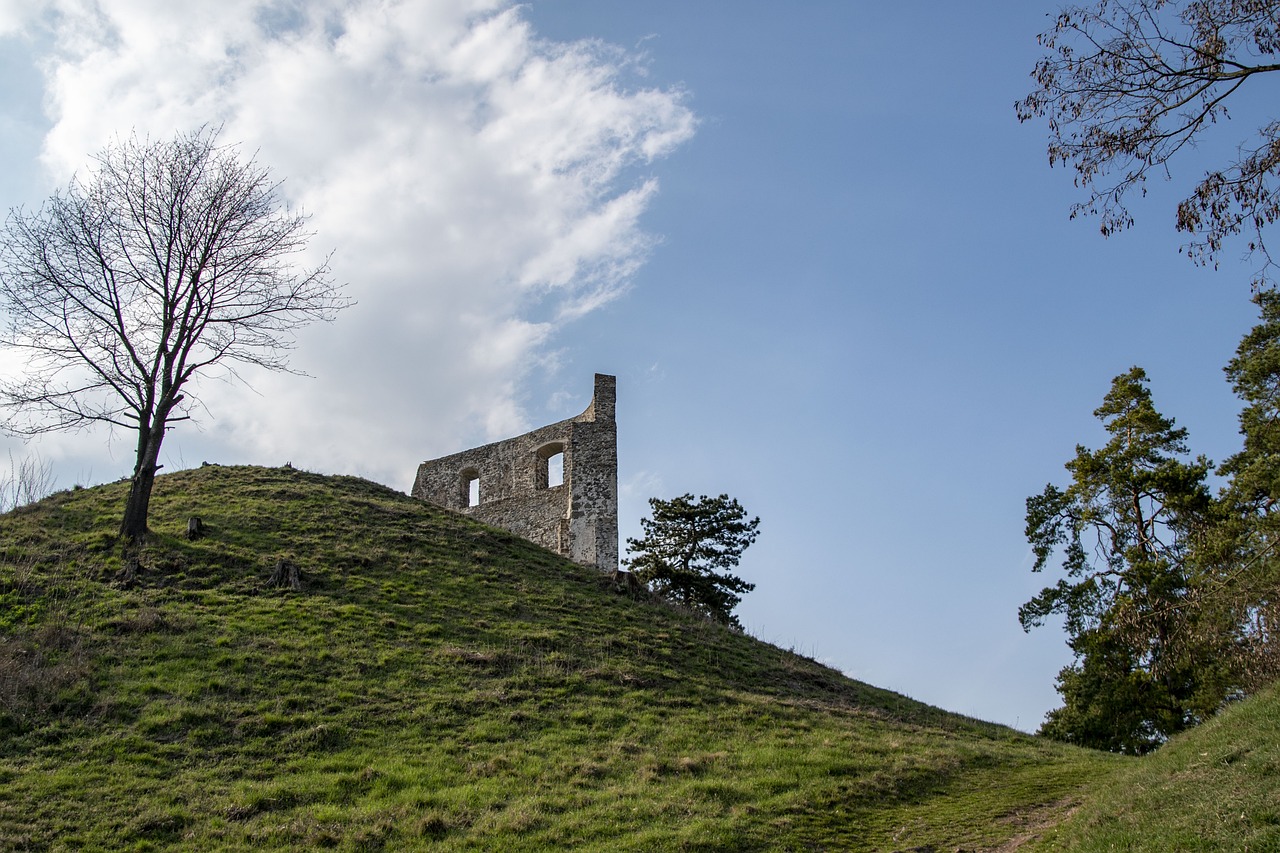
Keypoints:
(16, 15)
(641, 485)
(471, 179)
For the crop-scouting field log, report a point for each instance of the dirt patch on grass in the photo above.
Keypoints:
(1030, 823)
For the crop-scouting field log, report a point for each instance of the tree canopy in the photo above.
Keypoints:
(1244, 551)
(1124, 529)
(688, 545)
(1170, 594)
(1127, 85)
(167, 260)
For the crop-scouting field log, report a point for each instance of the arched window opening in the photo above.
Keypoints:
(549, 466)
(470, 487)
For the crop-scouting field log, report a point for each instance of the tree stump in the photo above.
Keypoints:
(285, 576)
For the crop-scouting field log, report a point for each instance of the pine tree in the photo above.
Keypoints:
(1242, 587)
(686, 549)
(1124, 528)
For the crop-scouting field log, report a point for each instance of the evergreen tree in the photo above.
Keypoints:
(1243, 589)
(686, 549)
(1123, 529)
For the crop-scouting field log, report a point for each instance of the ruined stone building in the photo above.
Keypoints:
(512, 484)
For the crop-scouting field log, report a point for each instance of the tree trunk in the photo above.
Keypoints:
(133, 529)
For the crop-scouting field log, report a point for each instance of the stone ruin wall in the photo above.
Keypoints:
(578, 519)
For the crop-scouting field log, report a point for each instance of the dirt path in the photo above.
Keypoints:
(1032, 822)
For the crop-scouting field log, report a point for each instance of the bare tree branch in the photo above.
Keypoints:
(1127, 84)
(166, 259)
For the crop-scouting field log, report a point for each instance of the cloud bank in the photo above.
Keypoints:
(479, 188)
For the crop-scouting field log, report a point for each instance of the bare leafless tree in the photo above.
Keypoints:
(168, 259)
(1128, 84)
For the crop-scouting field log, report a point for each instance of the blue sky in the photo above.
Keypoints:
(833, 274)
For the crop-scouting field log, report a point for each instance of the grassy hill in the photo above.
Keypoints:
(1214, 788)
(437, 684)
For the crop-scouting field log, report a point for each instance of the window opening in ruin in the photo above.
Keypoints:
(471, 487)
(549, 466)
(555, 470)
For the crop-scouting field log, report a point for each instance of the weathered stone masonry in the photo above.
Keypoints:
(578, 518)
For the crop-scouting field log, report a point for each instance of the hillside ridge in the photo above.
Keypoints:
(437, 684)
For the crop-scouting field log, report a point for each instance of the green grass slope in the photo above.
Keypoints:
(437, 684)
(1214, 788)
